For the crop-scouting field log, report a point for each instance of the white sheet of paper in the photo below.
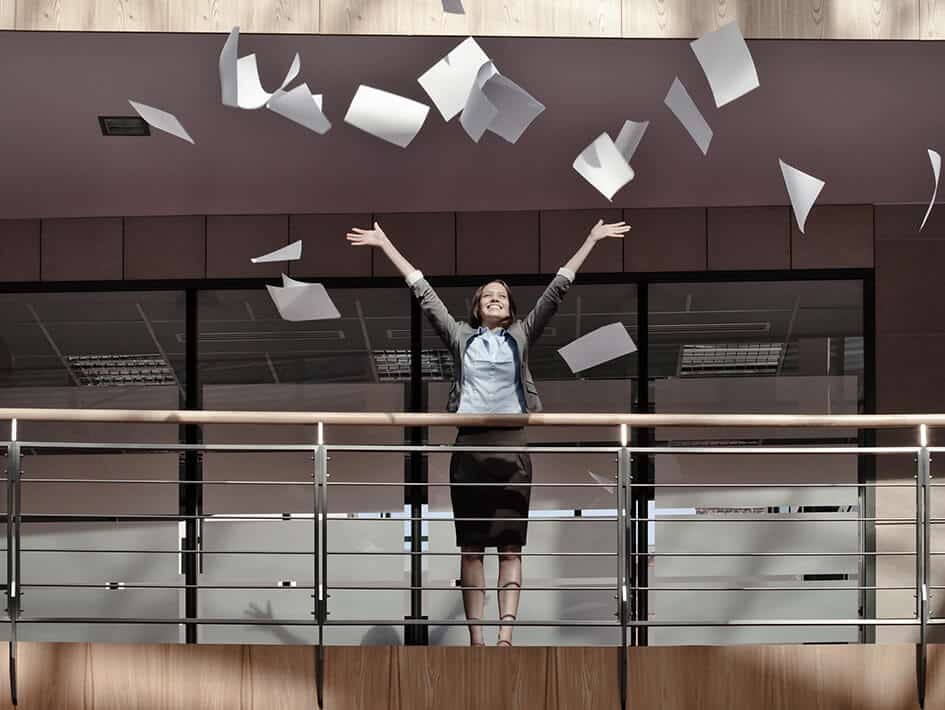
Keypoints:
(391, 117)
(498, 104)
(302, 107)
(239, 77)
(449, 81)
(607, 484)
(599, 346)
(453, 6)
(629, 138)
(298, 301)
(936, 161)
(681, 104)
(292, 252)
(161, 120)
(727, 63)
(802, 190)
(602, 165)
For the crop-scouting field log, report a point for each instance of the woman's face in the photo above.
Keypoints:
(493, 305)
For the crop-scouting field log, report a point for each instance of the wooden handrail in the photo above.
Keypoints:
(173, 416)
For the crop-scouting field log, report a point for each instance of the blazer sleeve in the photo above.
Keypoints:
(443, 323)
(534, 323)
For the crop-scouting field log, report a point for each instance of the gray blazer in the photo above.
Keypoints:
(456, 335)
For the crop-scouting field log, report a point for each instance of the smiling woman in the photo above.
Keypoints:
(490, 357)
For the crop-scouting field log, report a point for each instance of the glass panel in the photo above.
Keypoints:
(609, 387)
(122, 350)
(251, 359)
(772, 347)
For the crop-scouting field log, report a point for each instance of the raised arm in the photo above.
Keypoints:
(534, 323)
(443, 323)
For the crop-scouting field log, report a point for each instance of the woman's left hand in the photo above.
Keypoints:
(602, 231)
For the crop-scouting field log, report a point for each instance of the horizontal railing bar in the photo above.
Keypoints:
(104, 586)
(771, 485)
(836, 588)
(164, 448)
(773, 519)
(175, 416)
(152, 481)
(351, 553)
(453, 622)
(773, 449)
(112, 551)
(773, 554)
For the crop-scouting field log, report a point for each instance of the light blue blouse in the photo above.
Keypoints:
(491, 384)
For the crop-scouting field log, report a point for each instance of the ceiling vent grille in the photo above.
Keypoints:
(730, 359)
(121, 370)
(123, 126)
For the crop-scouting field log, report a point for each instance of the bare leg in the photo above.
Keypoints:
(510, 585)
(471, 574)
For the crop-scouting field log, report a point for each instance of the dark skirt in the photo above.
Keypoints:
(505, 501)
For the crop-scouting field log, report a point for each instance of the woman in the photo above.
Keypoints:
(490, 357)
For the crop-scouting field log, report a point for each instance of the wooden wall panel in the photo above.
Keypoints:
(233, 240)
(665, 239)
(749, 238)
(99, 15)
(208, 677)
(800, 19)
(165, 247)
(19, 250)
(835, 236)
(271, 16)
(496, 243)
(7, 14)
(587, 18)
(563, 231)
(325, 251)
(427, 240)
(82, 249)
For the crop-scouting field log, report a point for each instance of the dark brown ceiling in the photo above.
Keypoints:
(858, 114)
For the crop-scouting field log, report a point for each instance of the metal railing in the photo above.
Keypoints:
(629, 548)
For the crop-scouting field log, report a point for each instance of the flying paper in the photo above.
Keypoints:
(629, 138)
(603, 165)
(936, 161)
(449, 81)
(454, 6)
(161, 120)
(239, 77)
(802, 190)
(302, 107)
(680, 103)
(292, 252)
(298, 301)
(599, 346)
(498, 104)
(393, 118)
(727, 63)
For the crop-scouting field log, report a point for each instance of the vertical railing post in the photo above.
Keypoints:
(922, 560)
(623, 557)
(14, 471)
(319, 523)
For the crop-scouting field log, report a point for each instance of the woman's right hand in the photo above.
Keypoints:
(367, 237)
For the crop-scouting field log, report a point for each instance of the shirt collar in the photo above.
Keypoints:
(498, 331)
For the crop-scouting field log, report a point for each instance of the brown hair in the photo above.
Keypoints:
(474, 319)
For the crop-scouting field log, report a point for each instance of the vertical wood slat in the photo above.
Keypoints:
(98, 15)
(586, 18)
(84, 249)
(273, 16)
(20, 250)
(7, 14)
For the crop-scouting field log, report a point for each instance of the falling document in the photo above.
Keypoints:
(727, 63)
(802, 189)
(936, 161)
(299, 301)
(239, 76)
(629, 138)
(681, 104)
(302, 107)
(293, 252)
(454, 7)
(449, 81)
(161, 120)
(603, 166)
(599, 346)
(498, 104)
(393, 118)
